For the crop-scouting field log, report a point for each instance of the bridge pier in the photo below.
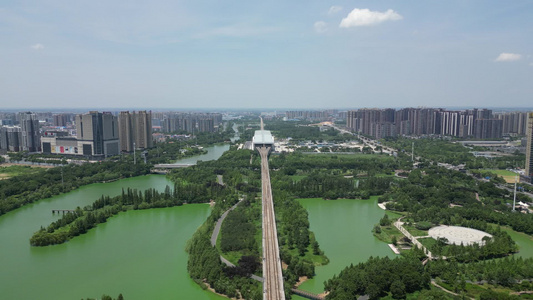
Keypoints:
(61, 210)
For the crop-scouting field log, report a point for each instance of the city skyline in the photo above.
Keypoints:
(190, 55)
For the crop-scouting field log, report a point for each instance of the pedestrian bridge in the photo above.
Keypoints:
(172, 166)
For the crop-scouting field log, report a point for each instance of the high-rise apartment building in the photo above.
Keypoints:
(142, 126)
(125, 133)
(135, 130)
(11, 138)
(529, 148)
(98, 133)
(31, 137)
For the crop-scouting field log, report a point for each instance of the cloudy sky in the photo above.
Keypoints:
(265, 54)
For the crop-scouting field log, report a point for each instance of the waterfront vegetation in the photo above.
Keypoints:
(44, 183)
(379, 276)
(81, 220)
(107, 297)
(27, 188)
(173, 149)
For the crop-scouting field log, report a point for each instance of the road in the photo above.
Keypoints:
(273, 278)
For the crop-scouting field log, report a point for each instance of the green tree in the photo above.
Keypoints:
(397, 289)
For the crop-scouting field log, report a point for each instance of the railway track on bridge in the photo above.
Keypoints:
(273, 277)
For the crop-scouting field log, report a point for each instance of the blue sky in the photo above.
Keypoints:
(265, 54)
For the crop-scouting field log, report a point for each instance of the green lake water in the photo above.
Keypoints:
(140, 254)
(343, 229)
(524, 242)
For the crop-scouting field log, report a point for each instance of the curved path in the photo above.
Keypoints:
(214, 237)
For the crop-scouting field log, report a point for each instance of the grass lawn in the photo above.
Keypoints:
(508, 176)
(414, 231)
(387, 232)
(394, 215)
(500, 172)
(12, 171)
(428, 242)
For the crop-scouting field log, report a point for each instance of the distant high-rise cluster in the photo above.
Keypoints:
(190, 122)
(61, 120)
(313, 115)
(103, 134)
(24, 137)
(476, 123)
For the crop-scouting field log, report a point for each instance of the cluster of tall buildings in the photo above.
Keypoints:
(314, 115)
(24, 136)
(474, 123)
(103, 134)
(188, 122)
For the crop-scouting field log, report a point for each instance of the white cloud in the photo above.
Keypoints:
(508, 57)
(37, 46)
(321, 27)
(334, 9)
(366, 17)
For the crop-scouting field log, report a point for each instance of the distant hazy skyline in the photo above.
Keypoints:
(268, 54)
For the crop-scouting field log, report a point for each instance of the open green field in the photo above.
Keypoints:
(428, 242)
(12, 171)
(414, 231)
(508, 176)
(387, 232)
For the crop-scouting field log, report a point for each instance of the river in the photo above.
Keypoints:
(140, 254)
(213, 153)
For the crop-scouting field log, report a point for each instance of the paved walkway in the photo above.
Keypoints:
(216, 231)
(214, 237)
(399, 224)
(447, 291)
